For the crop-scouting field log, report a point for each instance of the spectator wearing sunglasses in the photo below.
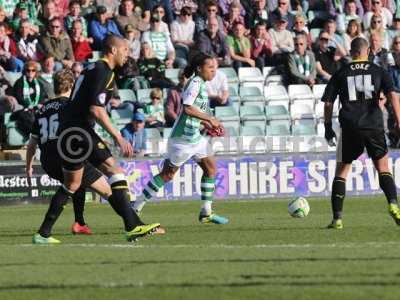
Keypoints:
(211, 12)
(377, 27)
(378, 9)
(282, 11)
(154, 112)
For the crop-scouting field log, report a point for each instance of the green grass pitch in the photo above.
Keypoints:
(262, 254)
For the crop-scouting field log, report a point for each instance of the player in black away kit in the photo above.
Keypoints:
(44, 135)
(78, 143)
(358, 86)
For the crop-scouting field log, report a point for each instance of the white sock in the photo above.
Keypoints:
(138, 205)
(206, 207)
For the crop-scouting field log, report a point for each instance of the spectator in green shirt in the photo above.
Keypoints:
(154, 112)
(239, 47)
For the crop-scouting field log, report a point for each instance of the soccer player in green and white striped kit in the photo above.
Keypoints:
(187, 142)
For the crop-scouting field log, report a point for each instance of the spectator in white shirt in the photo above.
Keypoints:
(378, 9)
(217, 89)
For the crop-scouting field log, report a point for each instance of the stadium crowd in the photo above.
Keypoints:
(305, 42)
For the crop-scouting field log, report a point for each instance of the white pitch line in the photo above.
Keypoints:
(221, 246)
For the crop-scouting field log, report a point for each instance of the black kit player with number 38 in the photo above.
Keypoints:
(359, 85)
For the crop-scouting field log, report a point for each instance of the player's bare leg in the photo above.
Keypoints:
(208, 165)
(388, 186)
(155, 184)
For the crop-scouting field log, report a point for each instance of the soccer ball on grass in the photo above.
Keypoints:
(299, 207)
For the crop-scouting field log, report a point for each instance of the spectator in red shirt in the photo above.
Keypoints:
(261, 45)
(80, 44)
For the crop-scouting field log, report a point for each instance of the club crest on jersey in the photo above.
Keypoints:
(102, 98)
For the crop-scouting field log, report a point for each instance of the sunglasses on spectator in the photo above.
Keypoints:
(382, 98)
(156, 98)
(30, 71)
(186, 14)
(377, 21)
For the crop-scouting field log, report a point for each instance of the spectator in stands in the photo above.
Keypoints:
(328, 59)
(182, 32)
(300, 27)
(21, 14)
(212, 41)
(152, 68)
(159, 11)
(128, 16)
(9, 7)
(282, 12)
(101, 26)
(77, 69)
(166, 4)
(8, 103)
(48, 69)
(110, 5)
(55, 42)
(378, 54)
(80, 43)
(87, 8)
(74, 15)
(232, 17)
(336, 11)
(27, 43)
(212, 9)
(49, 12)
(378, 9)
(282, 40)
(217, 89)
(261, 46)
(377, 27)
(321, 13)
(8, 52)
(335, 40)
(154, 112)
(353, 31)
(61, 7)
(161, 43)
(135, 134)
(302, 66)
(28, 90)
(257, 12)
(133, 37)
(394, 68)
(225, 4)
(174, 100)
(177, 6)
(350, 10)
(240, 47)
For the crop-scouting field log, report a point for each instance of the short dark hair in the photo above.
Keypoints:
(110, 42)
(358, 44)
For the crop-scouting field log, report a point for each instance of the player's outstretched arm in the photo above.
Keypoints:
(192, 111)
(101, 116)
(30, 153)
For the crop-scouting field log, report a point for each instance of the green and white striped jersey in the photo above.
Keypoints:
(186, 128)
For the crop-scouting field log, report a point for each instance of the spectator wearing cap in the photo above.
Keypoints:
(27, 43)
(8, 52)
(328, 59)
(128, 16)
(177, 6)
(217, 89)
(240, 47)
(101, 26)
(211, 11)
(232, 17)
(212, 41)
(282, 12)
(174, 100)
(301, 63)
(55, 42)
(74, 15)
(135, 134)
(154, 112)
(182, 33)
(80, 43)
(166, 4)
(152, 68)
(257, 12)
(161, 43)
(282, 40)
(378, 9)
(133, 37)
(261, 45)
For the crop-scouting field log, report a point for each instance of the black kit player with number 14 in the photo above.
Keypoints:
(359, 85)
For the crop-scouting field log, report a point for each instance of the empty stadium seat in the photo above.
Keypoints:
(251, 93)
(121, 116)
(143, 95)
(277, 130)
(252, 131)
(233, 124)
(154, 144)
(275, 92)
(153, 133)
(15, 138)
(303, 130)
(300, 92)
(256, 123)
(250, 74)
(233, 94)
(231, 131)
(167, 133)
(226, 113)
(172, 74)
(252, 112)
(96, 55)
(12, 77)
(230, 74)
(318, 90)
(314, 32)
(126, 95)
(267, 71)
(301, 111)
(273, 80)
(276, 112)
